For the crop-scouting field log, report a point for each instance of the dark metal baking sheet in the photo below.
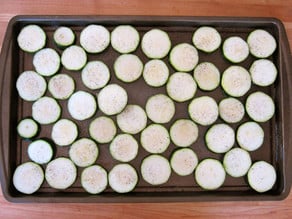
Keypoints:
(277, 143)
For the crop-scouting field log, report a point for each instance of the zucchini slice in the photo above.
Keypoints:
(61, 173)
(155, 73)
(74, 58)
(250, 136)
(94, 38)
(261, 176)
(181, 87)
(203, 110)
(184, 132)
(237, 162)
(46, 62)
(261, 43)
(260, 106)
(210, 174)
(128, 67)
(155, 169)
(123, 178)
(94, 179)
(31, 38)
(156, 44)
(63, 37)
(235, 49)
(28, 177)
(27, 128)
(184, 57)
(125, 38)
(220, 138)
(263, 72)
(160, 108)
(236, 81)
(207, 76)
(95, 75)
(124, 148)
(82, 105)
(46, 110)
(184, 161)
(102, 129)
(231, 110)
(112, 99)
(61, 86)
(64, 132)
(30, 85)
(132, 119)
(206, 39)
(83, 152)
(155, 139)
(40, 151)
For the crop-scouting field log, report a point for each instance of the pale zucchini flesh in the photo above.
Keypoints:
(207, 76)
(27, 128)
(231, 110)
(61, 86)
(263, 72)
(74, 58)
(235, 49)
(94, 179)
(102, 129)
(64, 132)
(124, 148)
(184, 161)
(64, 36)
(206, 39)
(40, 151)
(46, 62)
(155, 73)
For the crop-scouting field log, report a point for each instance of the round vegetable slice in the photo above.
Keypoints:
(102, 129)
(124, 148)
(27, 128)
(231, 110)
(74, 58)
(155, 73)
(46, 62)
(235, 49)
(206, 39)
(28, 177)
(207, 76)
(64, 132)
(263, 72)
(94, 179)
(64, 36)
(184, 161)
(123, 178)
(155, 169)
(61, 86)
(40, 151)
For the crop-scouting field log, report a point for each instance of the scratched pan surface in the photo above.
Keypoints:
(275, 150)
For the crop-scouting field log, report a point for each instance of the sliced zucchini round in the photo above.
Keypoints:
(184, 132)
(28, 177)
(64, 36)
(155, 73)
(94, 179)
(237, 162)
(46, 110)
(155, 169)
(261, 43)
(123, 178)
(112, 99)
(156, 44)
(64, 132)
(235, 49)
(184, 161)
(231, 110)
(31, 38)
(31, 86)
(220, 138)
(203, 110)
(184, 57)
(61, 86)
(261, 176)
(250, 136)
(263, 72)
(210, 174)
(40, 151)
(95, 75)
(128, 67)
(206, 39)
(155, 139)
(236, 81)
(61, 173)
(102, 129)
(260, 106)
(83, 152)
(181, 87)
(160, 108)
(207, 76)
(124, 148)
(81, 105)
(125, 38)
(27, 128)
(46, 62)
(74, 58)
(132, 119)
(94, 38)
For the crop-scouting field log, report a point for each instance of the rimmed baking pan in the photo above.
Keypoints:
(277, 142)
